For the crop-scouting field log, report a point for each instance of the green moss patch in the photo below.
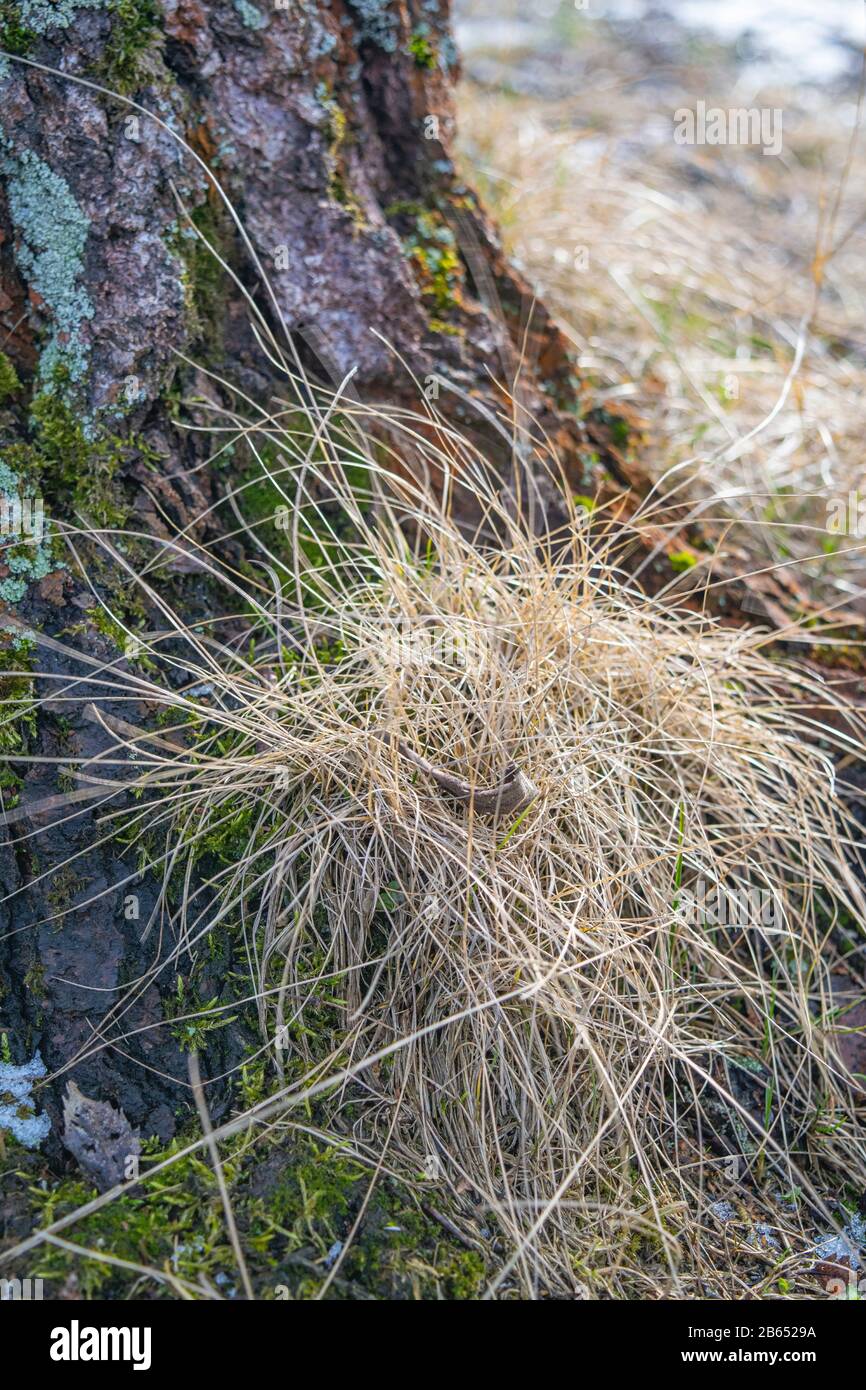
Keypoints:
(295, 1199)
(9, 383)
(421, 50)
(135, 29)
(204, 281)
(18, 700)
(431, 247)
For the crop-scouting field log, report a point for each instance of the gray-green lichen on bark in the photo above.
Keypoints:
(52, 235)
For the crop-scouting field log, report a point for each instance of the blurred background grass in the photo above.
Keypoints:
(688, 277)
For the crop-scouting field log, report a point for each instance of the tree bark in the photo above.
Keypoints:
(329, 127)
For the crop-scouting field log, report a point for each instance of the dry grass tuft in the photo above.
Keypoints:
(535, 1007)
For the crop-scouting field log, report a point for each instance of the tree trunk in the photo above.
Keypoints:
(328, 126)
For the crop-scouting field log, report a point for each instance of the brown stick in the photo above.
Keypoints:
(512, 794)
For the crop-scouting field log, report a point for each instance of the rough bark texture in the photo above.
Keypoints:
(328, 125)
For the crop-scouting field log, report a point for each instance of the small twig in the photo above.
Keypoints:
(447, 1224)
(512, 794)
